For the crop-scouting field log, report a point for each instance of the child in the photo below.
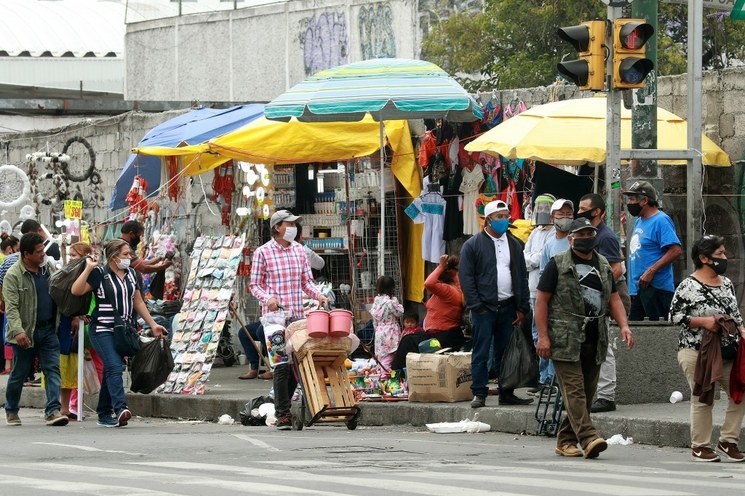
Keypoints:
(411, 324)
(386, 311)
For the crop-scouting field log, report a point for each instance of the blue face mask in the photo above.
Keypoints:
(500, 226)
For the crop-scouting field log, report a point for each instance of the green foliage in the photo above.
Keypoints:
(513, 43)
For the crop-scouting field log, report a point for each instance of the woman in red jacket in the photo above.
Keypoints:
(444, 312)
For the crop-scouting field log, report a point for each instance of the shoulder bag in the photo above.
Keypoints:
(126, 337)
(729, 350)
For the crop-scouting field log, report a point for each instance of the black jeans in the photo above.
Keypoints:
(453, 339)
(284, 387)
(652, 303)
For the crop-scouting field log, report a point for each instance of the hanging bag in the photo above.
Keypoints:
(151, 366)
(519, 364)
(126, 337)
(60, 285)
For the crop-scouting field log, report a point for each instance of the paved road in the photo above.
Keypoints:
(154, 457)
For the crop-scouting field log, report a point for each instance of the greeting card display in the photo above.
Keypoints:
(209, 288)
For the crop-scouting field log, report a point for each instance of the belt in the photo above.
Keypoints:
(505, 303)
(44, 323)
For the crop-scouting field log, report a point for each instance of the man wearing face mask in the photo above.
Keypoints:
(494, 281)
(592, 208)
(132, 233)
(576, 294)
(280, 274)
(654, 245)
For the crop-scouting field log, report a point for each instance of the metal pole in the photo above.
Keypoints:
(81, 364)
(694, 180)
(381, 234)
(644, 107)
(613, 134)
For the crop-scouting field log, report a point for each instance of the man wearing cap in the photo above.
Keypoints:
(654, 245)
(562, 213)
(494, 281)
(576, 294)
(280, 274)
(592, 207)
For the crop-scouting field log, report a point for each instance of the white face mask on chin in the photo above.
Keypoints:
(290, 233)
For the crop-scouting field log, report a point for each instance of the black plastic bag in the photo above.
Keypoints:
(60, 286)
(249, 418)
(150, 366)
(519, 363)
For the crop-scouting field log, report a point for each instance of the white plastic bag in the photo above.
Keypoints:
(465, 425)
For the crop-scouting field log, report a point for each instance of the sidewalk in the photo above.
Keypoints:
(663, 424)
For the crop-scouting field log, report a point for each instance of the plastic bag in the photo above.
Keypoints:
(252, 414)
(150, 366)
(91, 384)
(60, 284)
(519, 363)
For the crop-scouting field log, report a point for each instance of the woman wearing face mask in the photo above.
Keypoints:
(112, 407)
(697, 301)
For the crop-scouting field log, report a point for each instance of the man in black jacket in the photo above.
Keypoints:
(495, 285)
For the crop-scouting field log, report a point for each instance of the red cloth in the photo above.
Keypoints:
(427, 148)
(708, 367)
(737, 376)
(445, 307)
(509, 196)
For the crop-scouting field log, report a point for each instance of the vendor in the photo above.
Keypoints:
(444, 312)
(132, 232)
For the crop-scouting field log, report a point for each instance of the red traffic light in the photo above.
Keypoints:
(634, 35)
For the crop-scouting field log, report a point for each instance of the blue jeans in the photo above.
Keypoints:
(256, 330)
(489, 329)
(652, 303)
(111, 398)
(46, 347)
(545, 366)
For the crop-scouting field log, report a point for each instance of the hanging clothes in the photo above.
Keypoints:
(429, 209)
(454, 206)
(471, 182)
(509, 196)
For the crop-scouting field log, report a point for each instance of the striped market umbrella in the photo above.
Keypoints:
(387, 89)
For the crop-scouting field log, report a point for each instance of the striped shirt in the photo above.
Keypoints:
(7, 264)
(284, 274)
(123, 292)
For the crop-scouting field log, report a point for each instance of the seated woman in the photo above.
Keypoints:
(444, 312)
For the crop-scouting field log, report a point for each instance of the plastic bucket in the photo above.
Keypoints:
(341, 323)
(318, 324)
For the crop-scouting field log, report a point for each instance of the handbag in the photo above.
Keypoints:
(126, 337)
(729, 350)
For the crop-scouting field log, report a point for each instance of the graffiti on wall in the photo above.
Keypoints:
(376, 31)
(325, 41)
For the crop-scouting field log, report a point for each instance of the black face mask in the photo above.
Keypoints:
(135, 241)
(718, 265)
(585, 245)
(584, 215)
(634, 209)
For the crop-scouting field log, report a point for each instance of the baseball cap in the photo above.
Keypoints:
(581, 223)
(560, 203)
(494, 206)
(281, 216)
(642, 188)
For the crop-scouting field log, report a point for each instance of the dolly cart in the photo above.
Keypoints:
(549, 409)
(327, 393)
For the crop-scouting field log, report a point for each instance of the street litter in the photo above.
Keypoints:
(225, 419)
(620, 440)
(465, 425)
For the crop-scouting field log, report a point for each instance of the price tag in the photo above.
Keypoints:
(73, 209)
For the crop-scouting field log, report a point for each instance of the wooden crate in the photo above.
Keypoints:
(325, 381)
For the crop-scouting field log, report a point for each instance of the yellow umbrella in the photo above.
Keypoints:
(572, 132)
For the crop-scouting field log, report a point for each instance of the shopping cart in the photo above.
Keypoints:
(549, 409)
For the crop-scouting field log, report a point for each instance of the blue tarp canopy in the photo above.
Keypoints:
(192, 128)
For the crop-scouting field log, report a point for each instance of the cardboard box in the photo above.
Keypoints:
(434, 377)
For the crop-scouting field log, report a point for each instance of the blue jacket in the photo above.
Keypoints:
(478, 273)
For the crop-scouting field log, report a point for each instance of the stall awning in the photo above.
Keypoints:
(194, 127)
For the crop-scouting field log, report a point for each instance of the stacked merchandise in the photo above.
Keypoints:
(209, 288)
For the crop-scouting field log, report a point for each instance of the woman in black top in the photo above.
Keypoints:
(125, 292)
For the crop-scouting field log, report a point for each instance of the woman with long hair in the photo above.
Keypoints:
(125, 291)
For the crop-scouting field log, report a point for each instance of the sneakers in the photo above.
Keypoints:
(12, 419)
(284, 422)
(123, 417)
(704, 454)
(730, 451)
(512, 399)
(478, 402)
(595, 447)
(57, 419)
(603, 405)
(569, 450)
(107, 422)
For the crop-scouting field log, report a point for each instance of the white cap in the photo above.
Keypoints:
(560, 203)
(281, 216)
(494, 206)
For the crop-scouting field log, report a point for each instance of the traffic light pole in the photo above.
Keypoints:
(644, 106)
(612, 136)
(694, 180)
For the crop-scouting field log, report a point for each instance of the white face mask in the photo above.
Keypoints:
(290, 233)
(123, 263)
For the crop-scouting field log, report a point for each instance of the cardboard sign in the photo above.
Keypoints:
(439, 377)
(73, 209)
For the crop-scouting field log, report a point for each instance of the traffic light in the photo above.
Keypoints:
(588, 39)
(630, 65)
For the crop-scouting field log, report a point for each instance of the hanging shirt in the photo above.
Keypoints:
(429, 209)
(470, 186)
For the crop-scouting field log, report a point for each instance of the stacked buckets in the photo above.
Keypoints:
(336, 323)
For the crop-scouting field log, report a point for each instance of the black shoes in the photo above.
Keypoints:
(603, 405)
(478, 402)
(511, 399)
